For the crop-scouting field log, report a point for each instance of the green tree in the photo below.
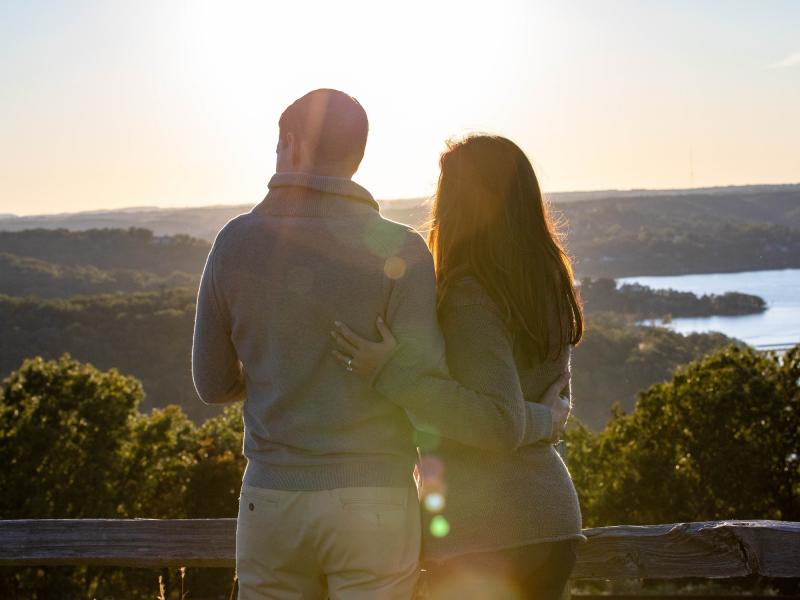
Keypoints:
(74, 445)
(719, 441)
(617, 359)
(62, 424)
(156, 461)
(216, 476)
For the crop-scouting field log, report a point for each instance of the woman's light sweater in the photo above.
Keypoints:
(508, 497)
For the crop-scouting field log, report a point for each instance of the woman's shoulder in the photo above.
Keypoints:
(467, 290)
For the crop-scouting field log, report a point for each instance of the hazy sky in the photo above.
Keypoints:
(163, 102)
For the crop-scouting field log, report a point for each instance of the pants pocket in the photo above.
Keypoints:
(259, 512)
(250, 497)
(376, 548)
(387, 497)
(371, 509)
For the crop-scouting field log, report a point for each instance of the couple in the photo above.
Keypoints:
(354, 345)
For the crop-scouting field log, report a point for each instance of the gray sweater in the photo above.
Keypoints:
(314, 251)
(510, 496)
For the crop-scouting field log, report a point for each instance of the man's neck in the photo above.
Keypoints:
(320, 171)
(337, 186)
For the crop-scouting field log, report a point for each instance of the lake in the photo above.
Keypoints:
(777, 327)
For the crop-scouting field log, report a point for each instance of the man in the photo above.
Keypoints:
(328, 506)
(328, 503)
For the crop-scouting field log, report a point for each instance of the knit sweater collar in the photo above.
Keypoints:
(295, 186)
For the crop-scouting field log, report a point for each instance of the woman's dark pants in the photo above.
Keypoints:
(536, 572)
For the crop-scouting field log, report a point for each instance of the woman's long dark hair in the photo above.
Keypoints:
(489, 220)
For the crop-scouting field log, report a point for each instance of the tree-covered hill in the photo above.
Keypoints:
(617, 359)
(133, 248)
(720, 230)
(25, 276)
(610, 234)
(52, 263)
(125, 299)
(776, 205)
(708, 248)
(149, 335)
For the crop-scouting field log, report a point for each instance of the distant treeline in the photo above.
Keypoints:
(134, 248)
(56, 263)
(25, 276)
(610, 234)
(744, 229)
(706, 249)
(126, 299)
(149, 335)
(603, 295)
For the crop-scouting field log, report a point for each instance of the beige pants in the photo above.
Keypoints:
(348, 543)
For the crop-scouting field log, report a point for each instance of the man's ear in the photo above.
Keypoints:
(291, 146)
(296, 149)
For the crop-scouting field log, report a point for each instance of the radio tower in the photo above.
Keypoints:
(691, 168)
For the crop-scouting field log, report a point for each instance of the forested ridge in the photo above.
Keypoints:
(736, 229)
(145, 334)
(609, 233)
(108, 249)
(679, 251)
(26, 276)
(126, 299)
(149, 335)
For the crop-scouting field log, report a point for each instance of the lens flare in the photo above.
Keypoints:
(439, 526)
(434, 502)
(432, 467)
(394, 267)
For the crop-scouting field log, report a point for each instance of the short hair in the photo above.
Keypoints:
(334, 125)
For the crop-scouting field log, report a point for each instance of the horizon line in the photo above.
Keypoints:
(147, 207)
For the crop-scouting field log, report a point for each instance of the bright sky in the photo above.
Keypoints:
(108, 104)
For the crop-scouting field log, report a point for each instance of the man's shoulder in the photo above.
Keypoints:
(235, 229)
(383, 236)
(400, 239)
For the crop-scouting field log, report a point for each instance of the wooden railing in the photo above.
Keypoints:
(716, 549)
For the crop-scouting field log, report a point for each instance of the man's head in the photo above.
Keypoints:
(324, 132)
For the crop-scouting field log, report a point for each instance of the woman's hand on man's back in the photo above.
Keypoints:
(360, 355)
(560, 406)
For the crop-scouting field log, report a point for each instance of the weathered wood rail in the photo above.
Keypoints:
(716, 549)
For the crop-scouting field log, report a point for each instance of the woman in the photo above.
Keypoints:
(500, 523)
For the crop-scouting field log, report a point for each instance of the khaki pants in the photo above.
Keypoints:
(348, 543)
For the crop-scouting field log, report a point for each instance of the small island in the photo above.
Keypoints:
(603, 295)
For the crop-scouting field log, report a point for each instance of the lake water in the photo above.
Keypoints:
(778, 326)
